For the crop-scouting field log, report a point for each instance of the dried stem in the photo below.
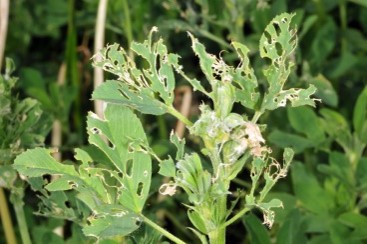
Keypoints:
(98, 45)
(4, 15)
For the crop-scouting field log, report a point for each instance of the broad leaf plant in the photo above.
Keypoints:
(112, 177)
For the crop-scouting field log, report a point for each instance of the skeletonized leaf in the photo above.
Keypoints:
(206, 60)
(277, 43)
(245, 77)
(135, 87)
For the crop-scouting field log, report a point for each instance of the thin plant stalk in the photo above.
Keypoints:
(162, 231)
(98, 45)
(4, 15)
(18, 204)
(56, 137)
(127, 25)
(4, 209)
(184, 110)
(6, 219)
(72, 63)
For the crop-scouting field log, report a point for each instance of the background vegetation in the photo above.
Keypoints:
(325, 195)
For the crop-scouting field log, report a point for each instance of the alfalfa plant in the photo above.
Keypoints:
(112, 181)
(23, 124)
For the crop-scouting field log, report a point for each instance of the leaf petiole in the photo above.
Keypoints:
(161, 230)
(179, 116)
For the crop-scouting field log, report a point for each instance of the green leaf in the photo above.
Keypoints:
(110, 226)
(335, 123)
(305, 121)
(180, 145)
(115, 192)
(283, 139)
(121, 127)
(360, 2)
(197, 221)
(139, 88)
(346, 62)
(193, 178)
(339, 167)
(113, 91)
(206, 60)
(201, 237)
(268, 212)
(325, 90)
(307, 24)
(38, 162)
(360, 114)
(277, 43)
(167, 168)
(340, 233)
(323, 42)
(308, 190)
(60, 184)
(278, 40)
(245, 77)
(356, 221)
(292, 230)
(258, 233)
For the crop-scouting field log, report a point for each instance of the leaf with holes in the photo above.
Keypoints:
(120, 183)
(139, 88)
(245, 77)
(121, 127)
(278, 43)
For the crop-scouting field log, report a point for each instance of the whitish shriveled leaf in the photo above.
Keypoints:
(275, 171)
(121, 127)
(268, 212)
